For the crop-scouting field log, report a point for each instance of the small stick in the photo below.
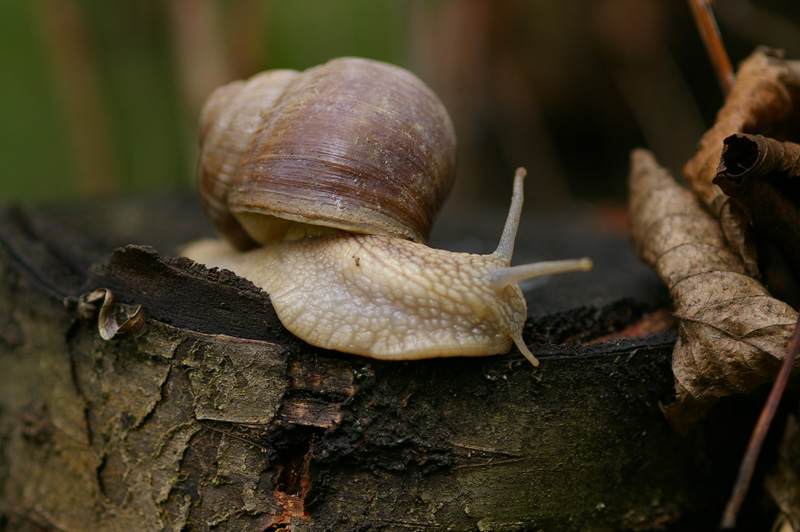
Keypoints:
(709, 32)
(759, 433)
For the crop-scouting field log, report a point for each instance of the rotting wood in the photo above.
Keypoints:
(183, 425)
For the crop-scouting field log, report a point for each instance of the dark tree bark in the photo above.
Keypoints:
(203, 413)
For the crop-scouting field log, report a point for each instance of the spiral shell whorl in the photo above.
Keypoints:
(230, 117)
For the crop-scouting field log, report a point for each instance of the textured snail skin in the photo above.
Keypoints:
(385, 297)
(389, 298)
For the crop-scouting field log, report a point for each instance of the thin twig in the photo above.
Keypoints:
(759, 433)
(709, 32)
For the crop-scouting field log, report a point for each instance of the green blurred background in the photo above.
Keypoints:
(102, 97)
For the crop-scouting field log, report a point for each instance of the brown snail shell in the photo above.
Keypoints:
(354, 145)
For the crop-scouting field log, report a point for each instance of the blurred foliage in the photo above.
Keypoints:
(32, 139)
(103, 97)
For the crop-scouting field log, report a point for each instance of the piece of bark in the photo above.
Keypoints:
(763, 100)
(732, 333)
(171, 428)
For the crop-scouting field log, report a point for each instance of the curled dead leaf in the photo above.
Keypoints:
(761, 175)
(113, 319)
(755, 156)
(732, 332)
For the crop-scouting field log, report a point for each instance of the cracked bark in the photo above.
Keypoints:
(210, 416)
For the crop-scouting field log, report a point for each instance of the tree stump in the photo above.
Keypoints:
(183, 404)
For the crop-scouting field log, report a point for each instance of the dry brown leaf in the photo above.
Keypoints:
(732, 333)
(756, 156)
(762, 100)
(761, 175)
(783, 482)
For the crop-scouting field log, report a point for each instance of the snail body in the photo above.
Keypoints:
(377, 292)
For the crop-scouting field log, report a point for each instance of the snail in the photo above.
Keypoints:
(325, 184)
